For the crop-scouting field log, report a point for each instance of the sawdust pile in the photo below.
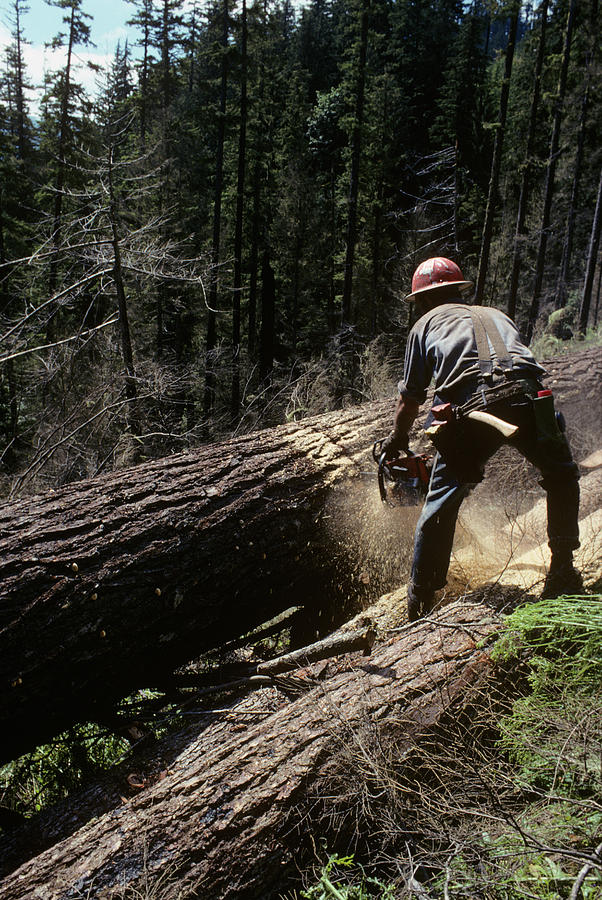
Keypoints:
(501, 535)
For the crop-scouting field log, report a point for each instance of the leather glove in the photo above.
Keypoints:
(393, 443)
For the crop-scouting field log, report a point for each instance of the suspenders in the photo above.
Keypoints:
(485, 328)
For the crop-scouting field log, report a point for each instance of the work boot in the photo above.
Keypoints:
(563, 578)
(420, 602)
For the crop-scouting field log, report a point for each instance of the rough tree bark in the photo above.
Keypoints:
(226, 818)
(109, 584)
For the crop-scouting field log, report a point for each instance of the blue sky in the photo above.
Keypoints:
(43, 22)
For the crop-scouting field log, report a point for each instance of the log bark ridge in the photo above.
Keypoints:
(220, 823)
(108, 585)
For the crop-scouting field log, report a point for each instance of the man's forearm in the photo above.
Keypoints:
(405, 413)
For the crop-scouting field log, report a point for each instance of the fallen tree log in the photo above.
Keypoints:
(226, 818)
(108, 585)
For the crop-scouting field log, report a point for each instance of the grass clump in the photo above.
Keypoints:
(53, 771)
(341, 878)
(554, 734)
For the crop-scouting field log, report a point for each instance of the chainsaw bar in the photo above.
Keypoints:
(403, 480)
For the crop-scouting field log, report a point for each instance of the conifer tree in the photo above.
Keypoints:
(143, 19)
(168, 39)
(211, 336)
(327, 141)
(238, 235)
(591, 50)
(551, 171)
(269, 47)
(18, 172)
(592, 260)
(17, 84)
(527, 164)
(496, 161)
(355, 148)
(459, 122)
(66, 97)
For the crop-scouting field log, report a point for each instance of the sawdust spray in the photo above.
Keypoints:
(374, 538)
(501, 526)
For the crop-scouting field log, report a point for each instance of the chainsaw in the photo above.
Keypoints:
(404, 480)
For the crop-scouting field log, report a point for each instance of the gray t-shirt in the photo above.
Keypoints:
(442, 345)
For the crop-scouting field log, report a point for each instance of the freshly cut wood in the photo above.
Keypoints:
(226, 817)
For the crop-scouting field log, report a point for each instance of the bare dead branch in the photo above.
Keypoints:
(74, 337)
(594, 862)
(68, 290)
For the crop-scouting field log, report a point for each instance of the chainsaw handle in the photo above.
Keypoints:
(378, 456)
(381, 460)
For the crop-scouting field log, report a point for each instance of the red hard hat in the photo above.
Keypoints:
(435, 273)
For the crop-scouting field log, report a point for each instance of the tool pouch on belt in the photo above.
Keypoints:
(549, 426)
(466, 445)
(453, 438)
(545, 417)
(490, 398)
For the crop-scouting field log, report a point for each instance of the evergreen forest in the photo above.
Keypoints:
(221, 237)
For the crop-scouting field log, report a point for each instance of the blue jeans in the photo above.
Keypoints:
(560, 479)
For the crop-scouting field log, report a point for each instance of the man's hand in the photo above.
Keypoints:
(393, 443)
(405, 413)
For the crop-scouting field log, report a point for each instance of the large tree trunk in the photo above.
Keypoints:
(496, 162)
(229, 814)
(109, 584)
